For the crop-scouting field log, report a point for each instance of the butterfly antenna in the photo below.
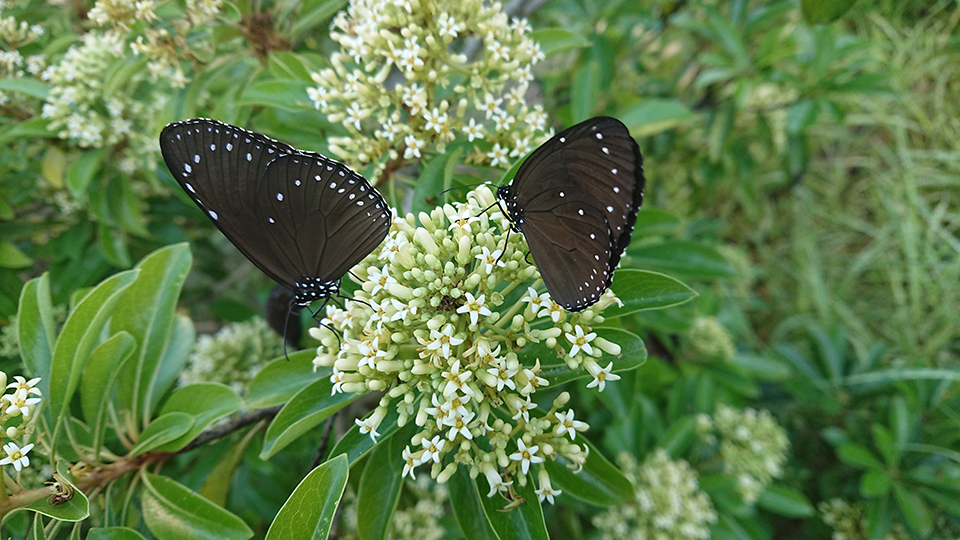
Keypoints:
(357, 300)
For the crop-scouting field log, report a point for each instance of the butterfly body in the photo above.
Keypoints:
(301, 217)
(575, 200)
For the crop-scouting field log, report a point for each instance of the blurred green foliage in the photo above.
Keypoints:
(803, 178)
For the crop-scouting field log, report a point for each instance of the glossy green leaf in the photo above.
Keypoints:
(206, 403)
(114, 533)
(12, 257)
(98, 380)
(80, 335)
(280, 379)
(37, 532)
(585, 91)
(524, 522)
(308, 513)
(303, 412)
(654, 115)
(632, 355)
(290, 95)
(74, 509)
(356, 445)
(36, 330)
(173, 512)
(165, 428)
(288, 65)
(379, 491)
(640, 290)
(468, 509)
(25, 85)
(555, 40)
(174, 358)
(146, 312)
(825, 11)
(599, 482)
(82, 171)
(785, 501)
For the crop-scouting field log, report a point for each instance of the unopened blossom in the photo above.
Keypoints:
(16, 456)
(546, 491)
(441, 341)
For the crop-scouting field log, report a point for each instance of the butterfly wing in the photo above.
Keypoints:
(220, 167)
(601, 158)
(570, 243)
(319, 217)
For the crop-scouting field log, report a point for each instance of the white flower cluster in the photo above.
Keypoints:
(849, 521)
(412, 76)
(753, 447)
(432, 329)
(18, 404)
(81, 112)
(668, 504)
(14, 35)
(710, 340)
(233, 356)
(422, 521)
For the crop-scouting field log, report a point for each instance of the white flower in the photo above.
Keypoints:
(536, 301)
(498, 155)
(504, 121)
(19, 404)
(435, 120)
(432, 449)
(546, 491)
(443, 340)
(601, 375)
(16, 455)
(502, 373)
(409, 463)
(24, 386)
(413, 147)
(523, 408)
(366, 426)
(370, 349)
(566, 424)
(490, 106)
(526, 455)
(495, 481)
(448, 27)
(473, 130)
(490, 259)
(337, 379)
(475, 307)
(355, 115)
(580, 341)
(380, 278)
(457, 380)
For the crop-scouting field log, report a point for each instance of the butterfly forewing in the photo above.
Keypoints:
(321, 217)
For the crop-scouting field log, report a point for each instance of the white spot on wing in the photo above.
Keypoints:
(279, 196)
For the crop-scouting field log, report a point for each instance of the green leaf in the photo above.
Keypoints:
(875, 483)
(12, 257)
(36, 127)
(80, 335)
(98, 380)
(356, 445)
(205, 403)
(859, 456)
(288, 94)
(216, 487)
(689, 259)
(173, 512)
(308, 513)
(679, 435)
(632, 355)
(175, 356)
(380, 487)
(585, 91)
(279, 380)
(555, 40)
(769, 369)
(434, 178)
(36, 330)
(113, 244)
(599, 482)
(306, 410)
(37, 532)
(319, 13)
(114, 533)
(82, 171)
(287, 65)
(524, 522)
(76, 508)
(785, 501)
(468, 508)
(165, 428)
(914, 510)
(825, 11)
(146, 312)
(653, 115)
(640, 290)
(27, 86)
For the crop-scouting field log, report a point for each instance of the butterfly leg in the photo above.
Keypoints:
(330, 328)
